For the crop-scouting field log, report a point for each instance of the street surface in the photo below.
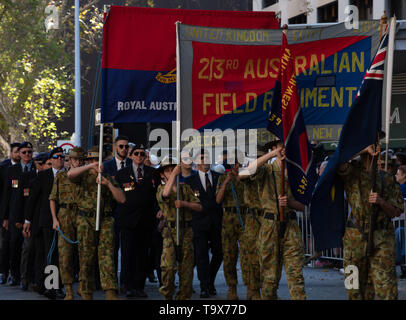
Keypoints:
(321, 284)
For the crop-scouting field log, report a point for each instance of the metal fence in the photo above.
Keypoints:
(303, 219)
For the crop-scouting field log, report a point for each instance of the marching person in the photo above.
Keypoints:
(15, 193)
(86, 180)
(42, 186)
(279, 243)
(64, 212)
(27, 266)
(206, 224)
(252, 224)
(376, 269)
(230, 196)
(5, 234)
(111, 167)
(136, 220)
(167, 199)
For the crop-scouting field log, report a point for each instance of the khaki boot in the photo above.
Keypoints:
(79, 290)
(111, 295)
(86, 296)
(232, 293)
(256, 294)
(69, 292)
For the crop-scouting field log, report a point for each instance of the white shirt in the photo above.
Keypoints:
(55, 171)
(202, 176)
(118, 162)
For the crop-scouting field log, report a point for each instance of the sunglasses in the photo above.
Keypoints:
(60, 156)
(27, 151)
(136, 153)
(48, 163)
(121, 146)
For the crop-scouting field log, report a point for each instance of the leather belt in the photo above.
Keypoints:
(258, 212)
(91, 214)
(67, 205)
(290, 215)
(378, 226)
(182, 224)
(234, 209)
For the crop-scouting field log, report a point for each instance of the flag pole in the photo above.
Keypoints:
(177, 126)
(388, 92)
(283, 164)
(106, 9)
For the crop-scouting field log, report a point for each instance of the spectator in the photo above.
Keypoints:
(399, 233)
(401, 158)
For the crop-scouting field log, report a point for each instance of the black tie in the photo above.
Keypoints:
(122, 165)
(26, 168)
(208, 184)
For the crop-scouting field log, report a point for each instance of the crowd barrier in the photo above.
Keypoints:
(303, 220)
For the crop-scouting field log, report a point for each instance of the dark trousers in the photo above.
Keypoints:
(27, 259)
(134, 257)
(39, 259)
(16, 243)
(206, 269)
(48, 238)
(154, 255)
(4, 251)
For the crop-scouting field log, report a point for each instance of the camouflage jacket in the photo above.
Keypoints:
(167, 205)
(265, 185)
(87, 193)
(251, 195)
(358, 185)
(63, 190)
(228, 200)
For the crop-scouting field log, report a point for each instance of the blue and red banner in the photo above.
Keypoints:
(287, 123)
(359, 131)
(228, 81)
(139, 57)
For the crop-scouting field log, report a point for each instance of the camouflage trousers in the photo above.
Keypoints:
(169, 265)
(274, 252)
(87, 253)
(250, 238)
(231, 238)
(67, 223)
(376, 274)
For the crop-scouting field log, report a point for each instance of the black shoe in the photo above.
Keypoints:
(204, 294)
(14, 281)
(39, 289)
(140, 294)
(212, 291)
(3, 278)
(130, 294)
(50, 294)
(24, 285)
(59, 294)
(151, 278)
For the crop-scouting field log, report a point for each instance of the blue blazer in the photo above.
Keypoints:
(110, 167)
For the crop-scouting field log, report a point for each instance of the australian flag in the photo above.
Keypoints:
(287, 123)
(359, 131)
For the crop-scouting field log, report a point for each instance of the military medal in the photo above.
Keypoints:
(129, 186)
(196, 193)
(26, 192)
(14, 183)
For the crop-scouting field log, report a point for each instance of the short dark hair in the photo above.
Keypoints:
(401, 156)
(14, 145)
(121, 137)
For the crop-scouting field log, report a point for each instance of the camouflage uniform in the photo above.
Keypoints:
(168, 259)
(381, 265)
(252, 223)
(85, 224)
(64, 194)
(274, 250)
(232, 232)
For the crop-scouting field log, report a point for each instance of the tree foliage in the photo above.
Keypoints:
(37, 68)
